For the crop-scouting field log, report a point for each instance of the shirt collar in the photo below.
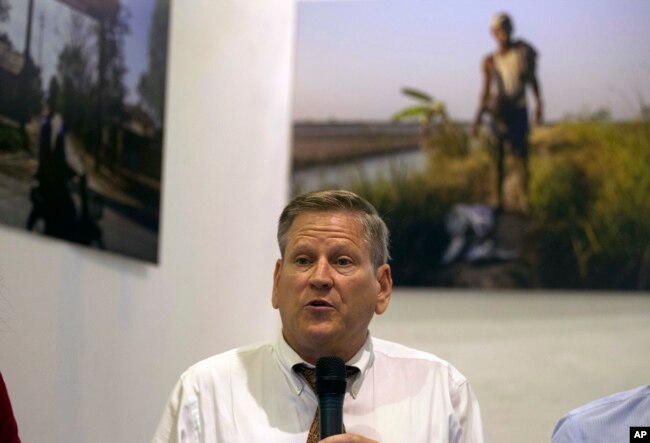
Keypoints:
(362, 360)
(288, 358)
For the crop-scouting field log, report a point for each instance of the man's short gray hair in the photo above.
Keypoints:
(374, 228)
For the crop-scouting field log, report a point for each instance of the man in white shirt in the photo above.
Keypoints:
(332, 278)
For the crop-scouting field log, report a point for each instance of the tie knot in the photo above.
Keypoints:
(309, 374)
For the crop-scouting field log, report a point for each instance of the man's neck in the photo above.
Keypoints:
(506, 46)
(312, 355)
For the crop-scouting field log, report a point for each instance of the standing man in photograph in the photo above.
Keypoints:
(332, 277)
(506, 75)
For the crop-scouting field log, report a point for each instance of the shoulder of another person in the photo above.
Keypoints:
(564, 430)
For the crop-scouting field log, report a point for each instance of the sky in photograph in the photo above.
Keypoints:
(51, 29)
(353, 57)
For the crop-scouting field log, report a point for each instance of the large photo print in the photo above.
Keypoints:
(82, 104)
(507, 144)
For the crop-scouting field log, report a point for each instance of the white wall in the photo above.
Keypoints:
(530, 356)
(91, 344)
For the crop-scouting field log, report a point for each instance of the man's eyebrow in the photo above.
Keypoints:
(346, 247)
(301, 245)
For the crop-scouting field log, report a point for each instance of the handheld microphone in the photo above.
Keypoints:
(331, 381)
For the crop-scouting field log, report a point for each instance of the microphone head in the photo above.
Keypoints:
(331, 377)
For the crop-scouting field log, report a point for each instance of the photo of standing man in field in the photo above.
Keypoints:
(385, 105)
(506, 75)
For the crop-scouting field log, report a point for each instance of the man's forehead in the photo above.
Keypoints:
(327, 224)
(327, 220)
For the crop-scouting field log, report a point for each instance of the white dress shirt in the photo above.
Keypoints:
(252, 394)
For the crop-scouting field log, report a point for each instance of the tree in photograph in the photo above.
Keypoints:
(427, 110)
(4, 16)
(31, 88)
(438, 134)
(91, 70)
(75, 77)
(4, 10)
(152, 83)
(111, 90)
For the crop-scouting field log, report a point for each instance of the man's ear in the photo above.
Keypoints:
(385, 280)
(276, 280)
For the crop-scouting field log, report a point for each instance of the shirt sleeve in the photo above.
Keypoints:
(469, 427)
(180, 422)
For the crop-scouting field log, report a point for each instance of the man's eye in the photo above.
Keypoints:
(302, 261)
(343, 261)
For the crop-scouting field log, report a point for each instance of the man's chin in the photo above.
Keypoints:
(322, 333)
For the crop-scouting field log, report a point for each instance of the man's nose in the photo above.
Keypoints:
(321, 276)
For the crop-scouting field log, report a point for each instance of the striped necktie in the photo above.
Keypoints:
(309, 374)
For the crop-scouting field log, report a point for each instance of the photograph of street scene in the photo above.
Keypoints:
(506, 143)
(82, 104)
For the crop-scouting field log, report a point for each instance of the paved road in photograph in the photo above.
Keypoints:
(121, 232)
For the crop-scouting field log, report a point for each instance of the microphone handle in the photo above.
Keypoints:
(331, 414)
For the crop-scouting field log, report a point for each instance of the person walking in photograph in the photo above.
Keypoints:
(506, 75)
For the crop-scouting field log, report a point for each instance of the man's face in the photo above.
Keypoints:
(326, 287)
(501, 35)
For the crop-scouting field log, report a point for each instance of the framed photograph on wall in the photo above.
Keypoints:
(82, 111)
(507, 144)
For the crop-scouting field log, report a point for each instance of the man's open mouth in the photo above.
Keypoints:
(319, 304)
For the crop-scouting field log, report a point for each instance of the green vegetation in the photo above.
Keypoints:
(428, 111)
(589, 202)
(414, 206)
(438, 134)
(589, 199)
